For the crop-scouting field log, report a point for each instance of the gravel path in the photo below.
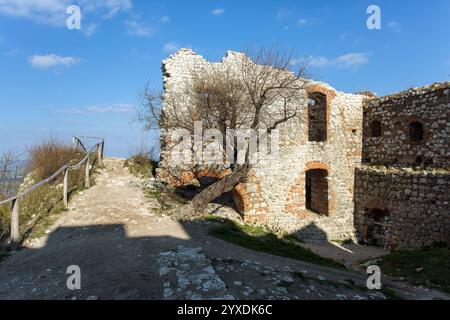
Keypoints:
(126, 250)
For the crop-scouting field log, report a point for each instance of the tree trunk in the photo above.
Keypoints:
(227, 184)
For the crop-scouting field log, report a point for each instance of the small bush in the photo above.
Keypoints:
(141, 165)
(5, 217)
(38, 208)
(49, 156)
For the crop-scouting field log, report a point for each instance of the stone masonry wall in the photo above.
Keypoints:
(406, 171)
(418, 204)
(275, 191)
(429, 106)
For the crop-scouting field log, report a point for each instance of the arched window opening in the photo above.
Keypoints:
(317, 117)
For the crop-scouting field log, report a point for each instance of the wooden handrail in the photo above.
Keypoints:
(79, 143)
(15, 234)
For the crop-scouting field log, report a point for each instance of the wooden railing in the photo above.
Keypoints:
(15, 201)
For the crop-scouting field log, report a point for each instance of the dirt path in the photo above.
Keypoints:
(126, 250)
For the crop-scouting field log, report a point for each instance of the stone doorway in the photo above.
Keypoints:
(317, 199)
(376, 228)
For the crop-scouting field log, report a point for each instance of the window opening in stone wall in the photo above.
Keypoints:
(416, 131)
(375, 129)
(317, 117)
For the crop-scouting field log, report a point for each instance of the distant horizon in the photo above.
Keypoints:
(64, 82)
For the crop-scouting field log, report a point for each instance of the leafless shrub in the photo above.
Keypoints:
(49, 156)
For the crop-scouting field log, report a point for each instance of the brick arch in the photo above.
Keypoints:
(248, 200)
(330, 94)
(184, 177)
(241, 198)
(312, 165)
(295, 203)
(249, 194)
(241, 195)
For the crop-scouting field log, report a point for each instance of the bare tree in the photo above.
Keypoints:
(9, 173)
(260, 91)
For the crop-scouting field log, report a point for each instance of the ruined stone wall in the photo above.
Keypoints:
(429, 107)
(405, 177)
(418, 204)
(275, 191)
(281, 204)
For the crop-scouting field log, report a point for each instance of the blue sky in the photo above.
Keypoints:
(61, 82)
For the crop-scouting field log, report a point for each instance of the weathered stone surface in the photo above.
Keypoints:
(413, 130)
(274, 193)
(188, 274)
(405, 176)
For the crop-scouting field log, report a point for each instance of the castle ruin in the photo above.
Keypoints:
(355, 167)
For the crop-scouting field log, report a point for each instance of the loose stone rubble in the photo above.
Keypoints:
(188, 274)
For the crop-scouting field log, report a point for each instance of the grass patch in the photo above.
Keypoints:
(160, 197)
(166, 200)
(259, 239)
(141, 165)
(435, 262)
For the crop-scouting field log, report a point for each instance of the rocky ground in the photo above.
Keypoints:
(188, 274)
(127, 248)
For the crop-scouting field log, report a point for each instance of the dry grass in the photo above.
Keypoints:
(9, 182)
(49, 156)
(9, 173)
(4, 218)
(142, 164)
(39, 208)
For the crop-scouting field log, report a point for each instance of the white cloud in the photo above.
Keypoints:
(51, 60)
(138, 29)
(283, 13)
(41, 11)
(303, 22)
(90, 29)
(102, 109)
(352, 60)
(319, 62)
(346, 61)
(53, 12)
(171, 47)
(394, 25)
(218, 12)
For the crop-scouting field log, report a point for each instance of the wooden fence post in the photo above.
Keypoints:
(99, 154)
(87, 182)
(66, 188)
(15, 233)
